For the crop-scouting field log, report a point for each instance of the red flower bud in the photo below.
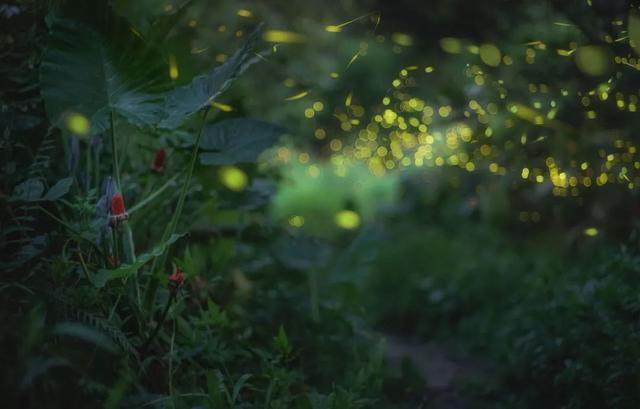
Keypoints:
(158, 161)
(118, 211)
(176, 279)
(117, 204)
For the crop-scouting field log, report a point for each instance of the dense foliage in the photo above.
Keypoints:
(224, 205)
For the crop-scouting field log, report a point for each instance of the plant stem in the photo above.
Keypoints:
(114, 153)
(173, 339)
(157, 328)
(72, 230)
(88, 166)
(130, 256)
(152, 196)
(159, 262)
(313, 290)
(84, 267)
(127, 237)
(116, 246)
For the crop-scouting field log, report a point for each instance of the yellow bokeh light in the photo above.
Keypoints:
(233, 178)
(593, 60)
(402, 39)
(591, 231)
(451, 45)
(281, 36)
(490, 55)
(173, 68)
(296, 221)
(347, 219)
(77, 123)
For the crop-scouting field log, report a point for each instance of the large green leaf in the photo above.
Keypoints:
(238, 140)
(150, 18)
(127, 270)
(58, 190)
(203, 89)
(83, 72)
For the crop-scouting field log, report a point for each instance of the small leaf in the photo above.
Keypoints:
(215, 388)
(58, 190)
(238, 140)
(203, 89)
(30, 190)
(238, 387)
(282, 342)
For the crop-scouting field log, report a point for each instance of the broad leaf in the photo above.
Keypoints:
(150, 18)
(203, 89)
(237, 140)
(81, 72)
(126, 270)
(58, 190)
(30, 190)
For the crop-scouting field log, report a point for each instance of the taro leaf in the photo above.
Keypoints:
(82, 72)
(58, 190)
(30, 190)
(141, 13)
(203, 89)
(150, 18)
(127, 270)
(238, 140)
(85, 333)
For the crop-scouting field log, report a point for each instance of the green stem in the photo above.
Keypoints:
(114, 149)
(159, 262)
(127, 237)
(313, 290)
(116, 246)
(157, 328)
(152, 196)
(72, 230)
(130, 256)
(97, 169)
(84, 267)
(88, 167)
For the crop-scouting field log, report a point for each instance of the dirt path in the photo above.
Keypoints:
(443, 373)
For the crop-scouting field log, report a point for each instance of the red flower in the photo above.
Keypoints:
(158, 161)
(118, 211)
(117, 205)
(176, 279)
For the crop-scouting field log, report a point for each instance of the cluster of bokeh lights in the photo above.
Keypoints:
(405, 130)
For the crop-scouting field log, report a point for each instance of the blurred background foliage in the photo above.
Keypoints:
(449, 172)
